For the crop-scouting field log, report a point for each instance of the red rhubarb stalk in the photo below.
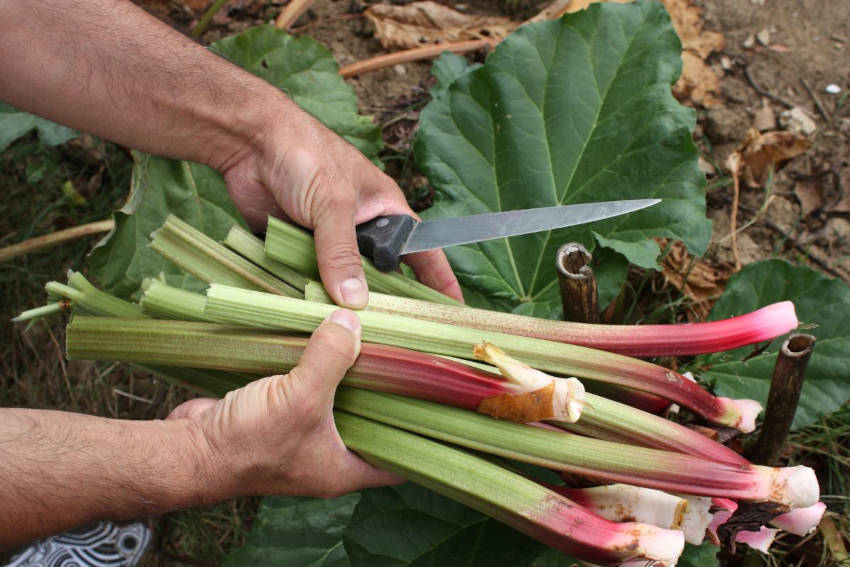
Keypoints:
(635, 340)
(233, 305)
(509, 497)
(790, 487)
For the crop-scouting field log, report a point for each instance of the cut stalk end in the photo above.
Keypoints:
(535, 396)
(794, 487)
(740, 414)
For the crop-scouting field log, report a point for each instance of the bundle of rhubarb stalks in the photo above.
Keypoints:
(439, 386)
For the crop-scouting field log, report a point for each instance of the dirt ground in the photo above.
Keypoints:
(778, 55)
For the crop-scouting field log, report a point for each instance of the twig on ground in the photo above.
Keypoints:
(735, 170)
(120, 392)
(291, 12)
(763, 92)
(415, 54)
(815, 98)
(54, 239)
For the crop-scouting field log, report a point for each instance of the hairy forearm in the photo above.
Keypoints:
(60, 470)
(109, 68)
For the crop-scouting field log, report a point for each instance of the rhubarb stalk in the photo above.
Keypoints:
(295, 248)
(209, 261)
(508, 497)
(232, 305)
(634, 340)
(623, 502)
(520, 395)
(252, 248)
(788, 488)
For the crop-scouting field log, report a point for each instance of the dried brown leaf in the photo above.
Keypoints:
(421, 23)
(810, 194)
(694, 278)
(759, 153)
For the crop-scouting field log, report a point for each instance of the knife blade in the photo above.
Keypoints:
(385, 239)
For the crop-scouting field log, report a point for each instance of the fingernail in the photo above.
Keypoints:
(347, 319)
(354, 293)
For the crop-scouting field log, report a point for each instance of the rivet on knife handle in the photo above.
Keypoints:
(382, 238)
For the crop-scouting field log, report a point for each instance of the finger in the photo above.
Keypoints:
(329, 353)
(432, 269)
(338, 257)
(356, 474)
(191, 408)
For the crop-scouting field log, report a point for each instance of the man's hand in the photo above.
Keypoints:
(277, 435)
(109, 68)
(301, 170)
(60, 470)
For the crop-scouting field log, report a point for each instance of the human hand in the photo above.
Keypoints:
(277, 435)
(298, 169)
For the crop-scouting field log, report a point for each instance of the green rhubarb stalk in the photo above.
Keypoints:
(231, 305)
(209, 261)
(168, 302)
(42, 311)
(508, 497)
(520, 394)
(249, 246)
(85, 298)
(295, 248)
(790, 487)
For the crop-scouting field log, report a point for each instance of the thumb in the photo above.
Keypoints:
(340, 266)
(329, 353)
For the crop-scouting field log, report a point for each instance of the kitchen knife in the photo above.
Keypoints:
(385, 239)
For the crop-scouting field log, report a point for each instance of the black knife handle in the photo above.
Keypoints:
(382, 238)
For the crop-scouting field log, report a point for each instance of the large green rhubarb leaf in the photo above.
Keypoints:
(568, 111)
(198, 195)
(822, 309)
(297, 532)
(195, 193)
(15, 123)
(307, 72)
(409, 525)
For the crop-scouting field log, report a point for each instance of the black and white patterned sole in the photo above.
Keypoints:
(101, 545)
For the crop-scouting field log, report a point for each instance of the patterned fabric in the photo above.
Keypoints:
(101, 545)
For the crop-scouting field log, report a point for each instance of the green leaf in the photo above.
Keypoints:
(193, 192)
(409, 525)
(307, 72)
(704, 555)
(447, 68)
(567, 111)
(15, 123)
(821, 305)
(297, 532)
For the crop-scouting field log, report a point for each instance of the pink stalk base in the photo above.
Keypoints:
(800, 521)
(634, 340)
(623, 502)
(760, 540)
(632, 541)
